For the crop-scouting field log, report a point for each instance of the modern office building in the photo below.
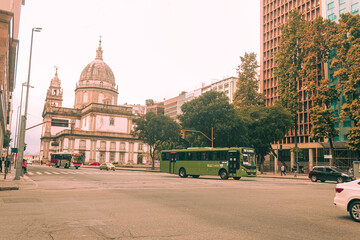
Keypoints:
(227, 86)
(275, 13)
(333, 10)
(9, 30)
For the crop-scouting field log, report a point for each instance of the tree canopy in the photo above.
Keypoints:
(346, 63)
(156, 131)
(247, 91)
(213, 110)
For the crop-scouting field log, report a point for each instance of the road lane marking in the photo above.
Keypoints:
(55, 173)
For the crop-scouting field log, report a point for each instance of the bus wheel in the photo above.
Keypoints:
(223, 174)
(237, 178)
(195, 176)
(182, 173)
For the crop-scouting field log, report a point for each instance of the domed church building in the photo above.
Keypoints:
(96, 126)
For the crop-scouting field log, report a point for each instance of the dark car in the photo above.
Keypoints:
(329, 173)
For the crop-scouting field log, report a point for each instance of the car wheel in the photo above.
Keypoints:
(355, 210)
(339, 180)
(223, 174)
(195, 176)
(237, 178)
(182, 173)
(314, 178)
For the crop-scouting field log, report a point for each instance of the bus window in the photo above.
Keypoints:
(198, 156)
(181, 155)
(189, 156)
(204, 156)
(165, 156)
(220, 155)
(210, 156)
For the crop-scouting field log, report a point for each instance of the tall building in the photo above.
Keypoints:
(227, 86)
(96, 126)
(9, 29)
(275, 13)
(333, 10)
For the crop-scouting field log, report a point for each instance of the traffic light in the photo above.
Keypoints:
(25, 146)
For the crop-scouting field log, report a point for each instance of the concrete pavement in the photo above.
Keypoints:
(25, 182)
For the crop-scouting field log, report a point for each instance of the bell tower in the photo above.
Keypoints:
(54, 95)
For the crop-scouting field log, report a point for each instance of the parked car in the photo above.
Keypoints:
(107, 166)
(347, 197)
(324, 173)
(94, 164)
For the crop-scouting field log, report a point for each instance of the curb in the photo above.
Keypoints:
(8, 188)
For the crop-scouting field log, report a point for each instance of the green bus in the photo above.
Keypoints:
(223, 162)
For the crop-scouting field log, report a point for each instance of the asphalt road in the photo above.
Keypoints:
(91, 204)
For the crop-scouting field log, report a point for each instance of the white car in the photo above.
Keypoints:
(348, 198)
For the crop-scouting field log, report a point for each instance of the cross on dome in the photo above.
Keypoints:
(99, 51)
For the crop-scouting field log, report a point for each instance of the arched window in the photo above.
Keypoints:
(101, 97)
(85, 97)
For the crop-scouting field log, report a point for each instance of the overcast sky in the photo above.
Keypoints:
(155, 48)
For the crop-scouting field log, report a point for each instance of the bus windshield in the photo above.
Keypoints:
(249, 159)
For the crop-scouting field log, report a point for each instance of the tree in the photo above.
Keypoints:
(156, 130)
(346, 64)
(265, 125)
(212, 110)
(247, 93)
(289, 63)
(316, 46)
(7, 139)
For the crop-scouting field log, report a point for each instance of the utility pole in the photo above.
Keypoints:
(23, 117)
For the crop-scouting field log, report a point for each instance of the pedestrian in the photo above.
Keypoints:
(24, 165)
(1, 163)
(283, 170)
(351, 172)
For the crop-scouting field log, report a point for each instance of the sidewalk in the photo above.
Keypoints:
(10, 184)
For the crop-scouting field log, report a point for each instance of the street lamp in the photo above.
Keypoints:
(23, 117)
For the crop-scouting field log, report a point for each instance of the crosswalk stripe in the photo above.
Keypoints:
(47, 173)
(56, 173)
(30, 173)
(39, 173)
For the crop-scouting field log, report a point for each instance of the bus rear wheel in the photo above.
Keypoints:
(237, 178)
(223, 174)
(182, 173)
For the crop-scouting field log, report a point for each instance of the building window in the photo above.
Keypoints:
(355, 8)
(140, 147)
(122, 146)
(342, 2)
(331, 5)
(103, 146)
(85, 97)
(112, 157)
(54, 92)
(332, 16)
(112, 121)
(112, 146)
(342, 11)
(102, 157)
(82, 144)
(121, 157)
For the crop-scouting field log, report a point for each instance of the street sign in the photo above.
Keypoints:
(14, 150)
(328, 156)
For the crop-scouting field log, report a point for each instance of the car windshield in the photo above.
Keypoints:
(249, 159)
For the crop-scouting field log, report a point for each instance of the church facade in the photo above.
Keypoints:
(96, 126)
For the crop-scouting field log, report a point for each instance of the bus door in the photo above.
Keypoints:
(173, 159)
(234, 162)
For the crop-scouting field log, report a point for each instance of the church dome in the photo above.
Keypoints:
(98, 71)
